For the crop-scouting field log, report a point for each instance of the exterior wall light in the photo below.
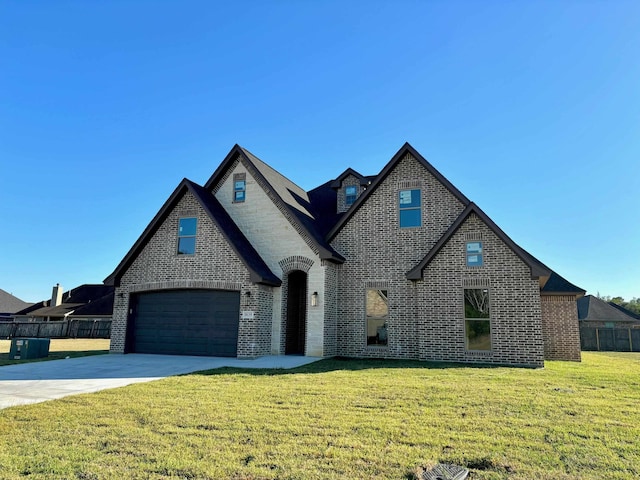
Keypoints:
(314, 299)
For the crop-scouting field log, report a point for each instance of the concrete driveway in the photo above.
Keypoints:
(40, 381)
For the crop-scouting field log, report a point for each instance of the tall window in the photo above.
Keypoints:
(477, 323)
(474, 254)
(239, 187)
(187, 236)
(410, 208)
(377, 316)
(350, 194)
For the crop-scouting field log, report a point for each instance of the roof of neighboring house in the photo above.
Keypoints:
(10, 303)
(625, 310)
(591, 308)
(286, 195)
(258, 269)
(96, 298)
(538, 269)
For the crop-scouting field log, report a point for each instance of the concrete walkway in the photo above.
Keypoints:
(40, 381)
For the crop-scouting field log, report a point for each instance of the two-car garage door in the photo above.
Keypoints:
(185, 322)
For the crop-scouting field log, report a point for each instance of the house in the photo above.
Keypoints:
(85, 302)
(607, 326)
(396, 265)
(9, 305)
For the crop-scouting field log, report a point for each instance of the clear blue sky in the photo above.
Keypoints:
(531, 108)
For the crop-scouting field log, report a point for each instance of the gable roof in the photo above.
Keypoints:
(258, 269)
(349, 171)
(538, 269)
(591, 308)
(10, 303)
(288, 197)
(406, 148)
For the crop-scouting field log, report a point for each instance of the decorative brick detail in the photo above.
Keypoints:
(560, 328)
(296, 262)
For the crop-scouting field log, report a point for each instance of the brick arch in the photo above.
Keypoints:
(295, 262)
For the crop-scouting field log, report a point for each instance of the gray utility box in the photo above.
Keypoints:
(26, 348)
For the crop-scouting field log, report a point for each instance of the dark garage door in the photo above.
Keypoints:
(185, 322)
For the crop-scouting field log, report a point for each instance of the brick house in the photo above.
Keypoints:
(396, 265)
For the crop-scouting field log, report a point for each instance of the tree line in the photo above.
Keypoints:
(632, 305)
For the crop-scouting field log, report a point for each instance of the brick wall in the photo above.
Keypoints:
(379, 252)
(215, 265)
(515, 313)
(349, 180)
(560, 328)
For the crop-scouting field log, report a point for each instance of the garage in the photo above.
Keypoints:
(185, 322)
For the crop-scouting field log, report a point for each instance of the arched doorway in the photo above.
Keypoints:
(296, 327)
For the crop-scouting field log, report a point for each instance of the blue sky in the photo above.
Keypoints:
(531, 108)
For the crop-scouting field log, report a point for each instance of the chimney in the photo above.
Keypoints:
(56, 296)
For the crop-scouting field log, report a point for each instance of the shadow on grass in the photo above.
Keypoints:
(350, 364)
(4, 357)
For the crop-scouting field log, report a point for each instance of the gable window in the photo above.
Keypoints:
(350, 194)
(474, 254)
(239, 187)
(477, 323)
(187, 236)
(377, 316)
(410, 208)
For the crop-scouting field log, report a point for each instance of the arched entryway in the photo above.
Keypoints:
(295, 329)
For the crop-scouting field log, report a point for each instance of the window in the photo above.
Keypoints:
(239, 187)
(377, 315)
(187, 236)
(350, 194)
(410, 211)
(477, 324)
(474, 254)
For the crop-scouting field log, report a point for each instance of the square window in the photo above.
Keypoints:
(350, 193)
(410, 207)
(377, 315)
(187, 228)
(477, 321)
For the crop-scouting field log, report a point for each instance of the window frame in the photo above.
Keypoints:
(486, 319)
(239, 192)
(477, 253)
(186, 236)
(350, 199)
(384, 328)
(409, 207)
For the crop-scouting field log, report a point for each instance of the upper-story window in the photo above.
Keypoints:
(350, 194)
(410, 208)
(187, 236)
(239, 187)
(474, 254)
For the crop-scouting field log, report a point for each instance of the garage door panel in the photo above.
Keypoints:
(186, 322)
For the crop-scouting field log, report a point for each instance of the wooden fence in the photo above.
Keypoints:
(610, 339)
(57, 329)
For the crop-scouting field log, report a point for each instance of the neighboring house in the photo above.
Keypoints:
(9, 305)
(396, 265)
(85, 302)
(607, 326)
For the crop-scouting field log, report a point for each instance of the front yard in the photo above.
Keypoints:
(341, 419)
(60, 348)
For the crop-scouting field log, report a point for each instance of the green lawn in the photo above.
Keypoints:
(341, 419)
(60, 348)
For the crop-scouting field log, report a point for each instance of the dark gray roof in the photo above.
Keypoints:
(538, 269)
(557, 285)
(287, 196)
(591, 308)
(258, 269)
(10, 303)
(624, 310)
(349, 171)
(88, 298)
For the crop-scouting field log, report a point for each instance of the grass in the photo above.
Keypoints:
(60, 348)
(339, 419)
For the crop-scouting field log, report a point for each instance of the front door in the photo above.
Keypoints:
(296, 313)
